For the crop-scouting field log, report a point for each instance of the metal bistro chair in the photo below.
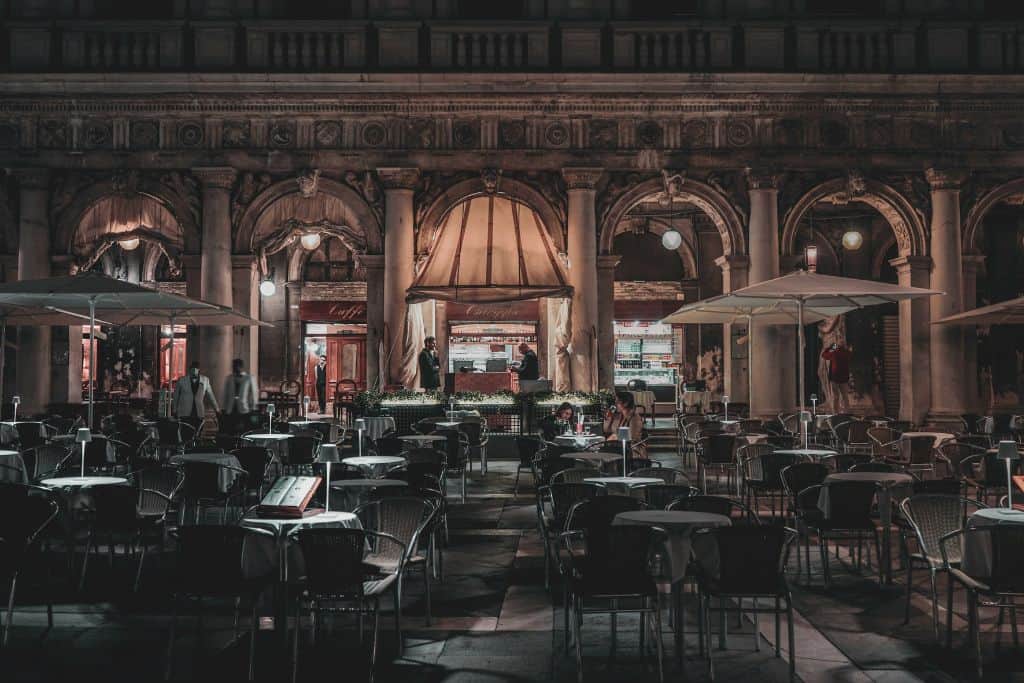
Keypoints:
(46, 461)
(574, 475)
(527, 448)
(800, 481)
(762, 475)
(660, 496)
(954, 453)
(456, 455)
(916, 454)
(931, 518)
(203, 486)
(475, 428)
(986, 474)
(667, 474)
(852, 436)
(337, 580)
(716, 452)
(559, 499)
(1001, 588)
(25, 511)
(848, 516)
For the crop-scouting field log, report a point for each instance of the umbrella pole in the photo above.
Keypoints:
(3, 355)
(92, 357)
(800, 354)
(170, 370)
(750, 365)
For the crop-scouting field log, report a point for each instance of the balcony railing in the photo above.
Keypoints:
(519, 46)
(306, 46)
(647, 47)
(855, 49)
(113, 46)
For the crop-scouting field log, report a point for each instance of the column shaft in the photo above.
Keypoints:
(373, 264)
(606, 320)
(972, 263)
(734, 374)
(399, 261)
(33, 366)
(582, 250)
(915, 357)
(215, 343)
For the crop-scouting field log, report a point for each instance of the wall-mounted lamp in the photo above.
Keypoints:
(811, 258)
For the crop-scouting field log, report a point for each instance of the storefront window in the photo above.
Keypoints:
(488, 347)
(177, 342)
(645, 351)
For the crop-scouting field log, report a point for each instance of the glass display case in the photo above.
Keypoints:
(645, 351)
(488, 347)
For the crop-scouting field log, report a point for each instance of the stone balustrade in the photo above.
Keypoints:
(657, 47)
(122, 46)
(516, 46)
(306, 46)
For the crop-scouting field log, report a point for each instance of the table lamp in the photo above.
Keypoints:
(271, 409)
(814, 405)
(83, 436)
(328, 455)
(725, 401)
(360, 426)
(805, 420)
(624, 438)
(579, 419)
(451, 409)
(1008, 451)
(16, 401)
(305, 407)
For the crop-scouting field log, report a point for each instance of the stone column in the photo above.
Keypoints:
(246, 298)
(33, 361)
(735, 374)
(441, 333)
(972, 264)
(582, 250)
(606, 320)
(915, 339)
(947, 349)
(215, 343)
(399, 260)
(765, 350)
(373, 264)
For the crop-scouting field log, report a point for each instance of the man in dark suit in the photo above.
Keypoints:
(430, 366)
(529, 366)
(321, 384)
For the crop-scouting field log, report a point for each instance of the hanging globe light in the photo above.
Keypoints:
(310, 241)
(129, 243)
(671, 239)
(267, 287)
(852, 240)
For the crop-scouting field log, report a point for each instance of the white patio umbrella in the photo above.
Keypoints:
(825, 294)
(723, 310)
(90, 293)
(1003, 313)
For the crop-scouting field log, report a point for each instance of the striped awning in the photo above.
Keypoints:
(491, 249)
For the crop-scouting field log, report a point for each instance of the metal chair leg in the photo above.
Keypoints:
(376, 633)
(10, 609)
(935, 603)
(910, 588)
(657, 640)
(170, 642)
(252, 642)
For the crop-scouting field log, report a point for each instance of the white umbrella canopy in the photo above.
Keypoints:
(1003, 313)
(87, 294)
(802, 290)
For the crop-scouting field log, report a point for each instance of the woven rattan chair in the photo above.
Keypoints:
(762, 475)
(574, 475)
(46, 461)
(797, 479)
(660, 496)
(932, 517)
(716, 452)
(849, 516)
(25, 511)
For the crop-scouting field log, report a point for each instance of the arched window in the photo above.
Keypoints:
(331, 262)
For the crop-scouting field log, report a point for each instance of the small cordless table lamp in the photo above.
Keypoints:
(805, 421)
(623, 435)
(16, 401)
(305, 407)
(360, 426)
(1008, 452)
(83, 436)
(725, 401)
(271, 409)
(328, 455)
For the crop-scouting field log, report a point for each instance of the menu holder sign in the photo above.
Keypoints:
(289, 497)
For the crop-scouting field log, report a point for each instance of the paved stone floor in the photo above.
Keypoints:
(493, 621)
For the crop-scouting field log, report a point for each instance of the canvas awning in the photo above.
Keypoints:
(491, 249)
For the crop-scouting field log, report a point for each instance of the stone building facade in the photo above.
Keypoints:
(233, 129)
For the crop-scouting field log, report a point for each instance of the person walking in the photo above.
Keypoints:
(191, 394)
(430, 366)
(240, 395)
(321, 384)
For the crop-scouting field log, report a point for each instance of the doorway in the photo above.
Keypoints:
(345, 349)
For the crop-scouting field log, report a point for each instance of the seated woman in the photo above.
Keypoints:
(624, 414)
(554, 424)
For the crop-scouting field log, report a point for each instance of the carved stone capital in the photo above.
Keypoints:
(370, 262)
(399, 178)
(761, 179)
(972, 263)
(31, 178)
(945, 178)
(912, 264)
(608, 261)
(737, 262)
(215, 177)
(577, 178)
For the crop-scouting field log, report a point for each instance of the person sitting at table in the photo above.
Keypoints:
(554, 424)
(624, 414)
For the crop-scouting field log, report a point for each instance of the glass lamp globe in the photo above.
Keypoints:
(671, 240)
(129, 244)
(268, 288)
(310, 241)
(852, 240)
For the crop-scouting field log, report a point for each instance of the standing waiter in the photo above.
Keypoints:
(321, 384)
(190, 396)
(430, 366)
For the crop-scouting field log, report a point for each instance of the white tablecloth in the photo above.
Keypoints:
(327, 429)
(225, 477)
(423, 440)
(815, 454)
(375, 465)
(82, 482)
(13, 459)
(679, 525)
(276, 443)
(348, 494)
(376, 427)
(579, 440)
(265, 555)
(695, 399)
(977, 547)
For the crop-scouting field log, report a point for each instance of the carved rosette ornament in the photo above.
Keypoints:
(945, 179)
(582, 178)
(399, 178)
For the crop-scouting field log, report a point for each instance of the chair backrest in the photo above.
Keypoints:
(752, 452)
(333, 559)
(527, 447)
(595, 515)
(659, 496)
(971, 421)
(456, 448)
(749, 426)
(781, 441)
(718, 448)
(850, 504)
(425, 455)
(302, 449)
(202, 480)
(546, 467)
(993, 470)
(620, 557)
(44, 461)
(917, 450)
(668, 475)
(1007, 575)
(389, 445)
(574, 475)
(427, 425)
(767, 469)
(114, 506)
(932, 516)
(800, 475)
(852, 432)
(169, 432)
(838, 418)
(717, 505)
(564, 496)
(401, 517)
(880, 436)
(30, 434)
(874, 467)
(210, 559)
(24, 512)
(254, 460)
(949, 487)
(743, 547)
(475, 431)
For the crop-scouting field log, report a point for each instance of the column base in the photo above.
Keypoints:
(944, 422)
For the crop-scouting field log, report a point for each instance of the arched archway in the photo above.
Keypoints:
(978, 211)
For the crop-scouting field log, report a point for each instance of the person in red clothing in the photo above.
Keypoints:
(838, 359)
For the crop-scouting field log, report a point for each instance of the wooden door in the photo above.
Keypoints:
(346, 359)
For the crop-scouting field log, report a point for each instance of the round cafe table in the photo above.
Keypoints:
(348, 494)
(815, 454)
(680, 525)
(378, 426)
(977, 548)
(376, 466)
(225, 477)
(598, 459)
(887, 483)
(623, 485)
(276, 443)
(579, 440)
(422, 440)
(82, 482)
(14, 467)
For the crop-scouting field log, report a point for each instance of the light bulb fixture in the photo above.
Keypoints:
(310, 241)
(671, 239)
(129, 243)
(811, 258)
(267, 287)
(852, 240)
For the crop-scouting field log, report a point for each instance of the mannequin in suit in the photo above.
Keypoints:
(321, 384)
(191, 394)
